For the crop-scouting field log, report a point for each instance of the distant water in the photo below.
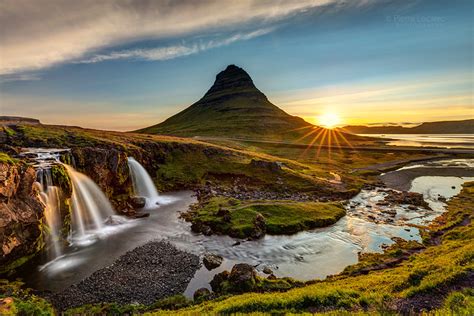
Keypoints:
(428, 140)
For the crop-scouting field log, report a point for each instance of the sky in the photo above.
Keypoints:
(124, 65)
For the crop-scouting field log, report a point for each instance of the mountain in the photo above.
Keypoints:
(232, 107)
(442, 127)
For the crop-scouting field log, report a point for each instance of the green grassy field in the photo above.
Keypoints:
(239, 219)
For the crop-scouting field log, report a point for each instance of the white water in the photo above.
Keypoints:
(90, 207)
(50, 197)
(142, 183)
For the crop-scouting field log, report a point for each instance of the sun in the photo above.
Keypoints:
(329, 120)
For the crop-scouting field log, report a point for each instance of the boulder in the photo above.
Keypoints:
(404, 197)
(242, 277)
(138, 201)
(267, 270)
(201, 294)
(218, 280)
(212, 261)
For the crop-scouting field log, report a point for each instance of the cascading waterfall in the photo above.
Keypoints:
(50, 196)
(90, 207)
(142, 183)
(91, 211)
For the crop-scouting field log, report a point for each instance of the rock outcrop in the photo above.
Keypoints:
(21, 211)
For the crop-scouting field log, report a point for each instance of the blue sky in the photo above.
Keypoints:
(126, 66)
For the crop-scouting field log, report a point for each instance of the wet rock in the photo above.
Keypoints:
(212, 261)
(138, 201)
(218, 280)
(236, 243)
(141, 215)
(206, 230)
(267, 270)
(242, 277)
(271, 277)
(404, 197)
(199, 227)
(201, 294)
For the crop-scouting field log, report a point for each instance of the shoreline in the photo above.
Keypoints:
(401, 179)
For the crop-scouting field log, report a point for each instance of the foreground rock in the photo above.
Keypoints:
(242, 278)
(143, 275)
(21, 211)
(211, 261)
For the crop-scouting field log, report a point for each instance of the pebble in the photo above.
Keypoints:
(141, 275)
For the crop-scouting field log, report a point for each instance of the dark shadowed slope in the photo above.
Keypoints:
(233, 107)
(442, 127)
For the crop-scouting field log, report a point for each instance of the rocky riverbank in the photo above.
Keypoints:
(143, 275)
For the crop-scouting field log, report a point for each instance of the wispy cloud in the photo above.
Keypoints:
(36, 36)
(175, 51)
(19, 77)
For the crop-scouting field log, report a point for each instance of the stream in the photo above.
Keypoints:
(314, 254)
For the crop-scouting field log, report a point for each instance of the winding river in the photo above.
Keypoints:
(306, 255)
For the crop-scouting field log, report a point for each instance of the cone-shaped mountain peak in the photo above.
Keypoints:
(232, 81)
(232, 107)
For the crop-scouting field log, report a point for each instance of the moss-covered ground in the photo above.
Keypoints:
(239, 219)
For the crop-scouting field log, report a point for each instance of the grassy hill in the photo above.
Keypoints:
(233, 107)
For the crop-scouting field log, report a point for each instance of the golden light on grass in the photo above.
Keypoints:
(325, 136)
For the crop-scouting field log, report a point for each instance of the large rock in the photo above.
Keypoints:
(404, 197)
(242, 277)
(21, 211)
(212, 261)
(201, 294)
(138, 201)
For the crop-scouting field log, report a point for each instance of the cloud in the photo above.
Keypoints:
(19, 77)
(39, 35)
(171, 52)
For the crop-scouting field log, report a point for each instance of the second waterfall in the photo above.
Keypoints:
(143, 185)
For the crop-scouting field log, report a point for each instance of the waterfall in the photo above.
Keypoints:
(90, 207)
(142, 183)
(50, 197)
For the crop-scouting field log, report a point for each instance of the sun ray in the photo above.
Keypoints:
(310, 145)
(321, 143)
(306, 135)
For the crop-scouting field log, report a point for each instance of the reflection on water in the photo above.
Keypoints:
(433, 187)
(428, 140)
(444, 163)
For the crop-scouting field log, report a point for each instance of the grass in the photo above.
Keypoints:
(238, 219)
(5, 158)
(16, 301)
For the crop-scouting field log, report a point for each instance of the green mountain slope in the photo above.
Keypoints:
(233, 107)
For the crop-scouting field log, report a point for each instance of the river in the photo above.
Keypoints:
(427, 140)
(307, 255)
